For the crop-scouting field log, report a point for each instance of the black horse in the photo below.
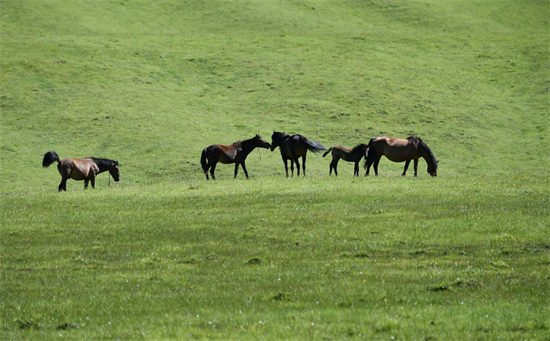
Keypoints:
(354, 154)
(294, 147)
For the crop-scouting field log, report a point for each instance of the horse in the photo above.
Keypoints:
(399, 150)
(81, 169)
(294, 147)
(235, 153)
(354, 154)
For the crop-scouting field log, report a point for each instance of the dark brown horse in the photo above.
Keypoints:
(354, 154)
(294, 147)
(400, 150)
(81, 169)
(235, 153)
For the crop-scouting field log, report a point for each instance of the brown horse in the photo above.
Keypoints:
(294, 147)
(399, 150)
(235, 153)
(81, 169)
(354, 154)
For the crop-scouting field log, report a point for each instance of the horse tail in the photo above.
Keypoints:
(204, 159)
(371, 152)
(313, 146)
(328, 151)
(49, 158)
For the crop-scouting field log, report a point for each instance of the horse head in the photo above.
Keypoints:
(427, 154)
(277, 138)
(261, 143)
(114, 171)
(432, 167)
(362, 149)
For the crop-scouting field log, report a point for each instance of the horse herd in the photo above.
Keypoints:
(292, 148)
(296, 146)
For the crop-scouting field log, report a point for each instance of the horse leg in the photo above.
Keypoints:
(86, 183)
(212, 169)
(62, 185)
(331, 167)
(206, 172)
(415, 166)
(286, 166)
(336, 167)
(406, 167)
(244, 169)
(92, 180)
(297, 166)
(369, 163)
(304, 164)
(291, 167)
(376, 165)
(236, 169)
(356, 169)
(65, 175)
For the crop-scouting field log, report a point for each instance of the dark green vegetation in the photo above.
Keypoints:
(166, 255)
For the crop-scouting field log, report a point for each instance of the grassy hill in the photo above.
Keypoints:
(151, 84)
(166, 255)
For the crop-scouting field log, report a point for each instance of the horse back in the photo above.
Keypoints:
(78, 169)
(223, 153)
(395, 149)
(292, 147)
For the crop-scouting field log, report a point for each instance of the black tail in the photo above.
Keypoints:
(204, 161)
(313, 146)
(371, 153)
(328, 151)
(49, 158)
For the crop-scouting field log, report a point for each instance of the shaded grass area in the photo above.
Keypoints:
(386, 257)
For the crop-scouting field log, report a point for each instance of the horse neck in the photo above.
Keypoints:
(248, 146)
(282, 138)
(426, 153)
(104, 165)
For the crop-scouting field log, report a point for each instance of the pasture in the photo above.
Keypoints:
(166, 254)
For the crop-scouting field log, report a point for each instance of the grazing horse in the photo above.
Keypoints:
(354, 154)
(399, 150)
(294, 147)
(235, 153)
(81, 169)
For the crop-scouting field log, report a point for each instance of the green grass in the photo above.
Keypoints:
(164, 254)
(307, 259)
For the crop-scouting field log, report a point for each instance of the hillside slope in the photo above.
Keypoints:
(152, 83)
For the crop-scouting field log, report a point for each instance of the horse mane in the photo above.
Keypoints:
(282, 135)
(423, 146)
(243, 141)
(103, 163)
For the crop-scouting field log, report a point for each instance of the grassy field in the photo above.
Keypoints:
(164, 254)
